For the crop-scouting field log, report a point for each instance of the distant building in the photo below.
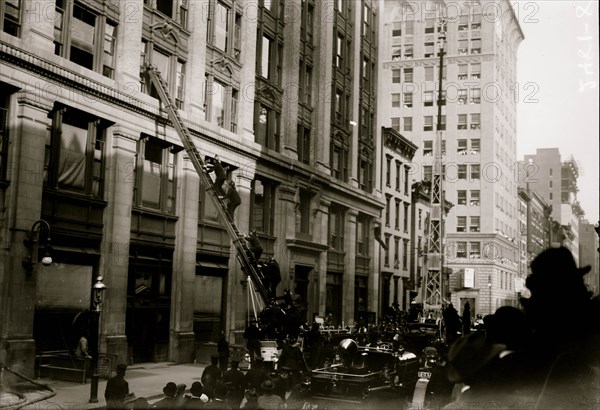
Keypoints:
(589, 255)
(555, 181)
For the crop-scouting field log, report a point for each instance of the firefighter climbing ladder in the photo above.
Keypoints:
(245, 256)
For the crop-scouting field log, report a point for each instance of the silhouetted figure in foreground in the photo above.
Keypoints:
(466, 319)
(117, 389)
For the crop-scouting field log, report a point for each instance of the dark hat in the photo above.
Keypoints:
(170, 389)
(267, 385)
(469, 354)
(196, 389)
(506, 325)
(121, 367)
(553, 272)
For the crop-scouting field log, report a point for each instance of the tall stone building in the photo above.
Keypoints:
(478, 124)
(589, 254)
(282, 92)
(555, 181)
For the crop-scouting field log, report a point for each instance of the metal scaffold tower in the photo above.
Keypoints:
(433, 281)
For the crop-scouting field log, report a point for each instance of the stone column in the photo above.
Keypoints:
(23, 201)
(129, 41)
(181, 345)
(114, 263)
(235, 307)
(248, 73)
(195, 66)
(375, 268)
(38, 25)
(323, 35)
(350, 268)
(322, 237)
(285, 217)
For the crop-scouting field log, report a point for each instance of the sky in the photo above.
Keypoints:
(558, 80)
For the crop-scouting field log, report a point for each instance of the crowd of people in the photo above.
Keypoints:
(545, 355)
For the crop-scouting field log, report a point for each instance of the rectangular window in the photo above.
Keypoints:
(476, 71)
(155, 183)
(429, 25)
(386, 255)
(396, 100)
(303, 144)
(221, 27)
(475, 121)
(263, 206)
(410, 28)
(428, 123)
(429, 73)
(303, 214)
(461, 123)
(474, 224)
(396, 53)
(408, 75)
(475, 251)
(266, 127)
(408, 51)
(218, 104)
(476, 46)
(475, 146)
(475, 171)
(388, 171)
(427, 148)
(267, 45)
(362, 236)
(461, 224)
(461, 197)
(408, 100)
(442, 124)
(179, 84)
(387, 210)
(462, 96)
(405, 255)
(428, 99)
(429, 51)
(397, 29)
(11, 21)
(396, 123)
(339, 162)
(398, 167)
(462, 171)
(75, 152)
(461, 249)
(165, 7)
(396, 252)
(463, 47)
(91, 40)
(397, 215)
(339, 59)
(475, 95)
(420, 219)
(406, 179)
(396, 73)
(407, 124)
(461, 147)
(427, 172)
(462, 71)
(463, 22)
(4, 115)
(405, 218)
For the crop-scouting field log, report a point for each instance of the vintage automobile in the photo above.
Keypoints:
(361, 372)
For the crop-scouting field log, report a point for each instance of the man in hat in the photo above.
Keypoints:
(214, 165)
(268, 400)
(117, 389)
(223, 350)
(256, 375)
(561, 361)
(195, 400)
(220, 400)
(167, 402)
(235, 382)
(252, 335)
(211, 375)
(234, 199)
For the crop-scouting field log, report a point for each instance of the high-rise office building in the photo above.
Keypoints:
(478, 124)
(283, 92)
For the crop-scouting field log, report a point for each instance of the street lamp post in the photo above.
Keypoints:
(439, 155)
(96, 307)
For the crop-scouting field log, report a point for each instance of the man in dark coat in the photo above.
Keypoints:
(292, 359)
(466, 319)
(117, 389)
(252, 336)
(223, 350)
(235, 382)
(214, 165)
(211, 376)
(254, 245)
(452, 323)
(168, 402)
(234, 199)
(256, 375)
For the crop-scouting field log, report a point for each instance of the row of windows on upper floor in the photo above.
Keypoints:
(407, 28)
(406, 75)
(405, 100)
(428, 125)
(429, 49)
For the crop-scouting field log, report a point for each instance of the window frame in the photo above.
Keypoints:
(266, 225)
(6, 20)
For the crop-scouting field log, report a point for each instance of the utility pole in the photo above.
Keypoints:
(433, 285)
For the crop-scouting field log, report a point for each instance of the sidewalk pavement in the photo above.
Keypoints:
(145, 380)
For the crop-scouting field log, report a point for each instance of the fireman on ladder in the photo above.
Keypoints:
(233, 197)
(214, 165)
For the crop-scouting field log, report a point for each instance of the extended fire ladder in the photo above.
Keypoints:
(433, 286)
(244, 255)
